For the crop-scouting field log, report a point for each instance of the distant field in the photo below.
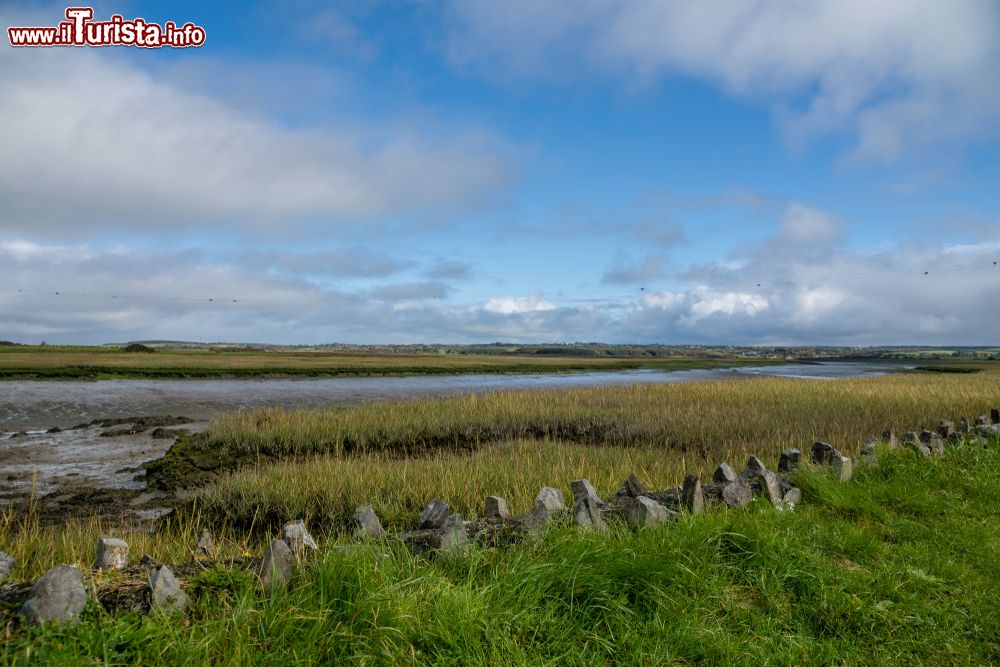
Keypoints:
(51, 362)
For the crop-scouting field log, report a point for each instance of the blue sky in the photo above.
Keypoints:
(461, 171)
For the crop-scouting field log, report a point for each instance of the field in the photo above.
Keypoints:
(55, 362)
(896, 567)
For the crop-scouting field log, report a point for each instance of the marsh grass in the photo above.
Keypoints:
(898, 567)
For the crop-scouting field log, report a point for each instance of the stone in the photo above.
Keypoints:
(165, 592)
(963, 425)
(452, 535)
(643, 512)
(148, 562)
(868, 451)
(945, 428)
(912, 441)
(933, 442)
(823, 453)
(366, 523)
(631, 488)
(792, 497)
(982, 420)
(434, 514)
(205, 547)
(112, 554)
(889, 438)
(550, 499)
(995, 415)
(754, 466)
(297, 538)
(276, 566)
(6, 566)
(790, 460)
(766, 484)
(496, 508)
(843, 468)
(534, 523)
(724, 474)
(737, 493)
(587, 515)
(692, 498)
(58, 595)
(582, 488)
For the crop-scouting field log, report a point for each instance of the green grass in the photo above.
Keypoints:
(897, 567)
(55, 362)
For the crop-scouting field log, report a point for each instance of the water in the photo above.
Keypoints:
(51, 460)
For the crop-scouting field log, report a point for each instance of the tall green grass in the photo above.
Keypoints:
(897, 567)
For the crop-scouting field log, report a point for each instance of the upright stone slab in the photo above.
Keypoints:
(945, 428)
(692, 497)
(792, 497)
(755, 466)
(550, 499)
(737, 493)
(933, 442)
(587, 515)
(823, 453)
(843, 468)
(297, 538)
(790, 460)
(205, 547)
(58, 595)
(643, 512)
(582, 488)
(631, 488)
(434, 514)
(6, 566)
(912, 441)
(451, 536)
(496, 508)
(276, 566)
(995, 415)
(982, 420)
(889, 438)
(165, 592)
(963, 425)
(112, 554)
(724, 474)
(366, 523)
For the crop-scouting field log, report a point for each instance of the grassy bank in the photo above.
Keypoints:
(53, 362)
(667, 430)
(896, 567)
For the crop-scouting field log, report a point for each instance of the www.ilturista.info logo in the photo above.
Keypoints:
(79, 29)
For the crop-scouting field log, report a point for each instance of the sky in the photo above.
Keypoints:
(786, 172)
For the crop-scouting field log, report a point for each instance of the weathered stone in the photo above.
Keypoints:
(534, 523)
(737, 493)
(790, 460)
(754, 466)
(452, 536)
(297, 538)
(963, 425)
(933, 442)
(58, 595)
(889, 438)
(982, 420)
(631, 488)
(692, 497)
(766, 484)
(912, 441)
(995, 415)
(550, 499)
(945, 428)
(366, 523)
(434, 514)
(165, 592)
(843, 468)
(587, 515)
(868, 451)
(823, 453)
(582, 488)
(112, 554)
(643, 512)
(205, 547)
(276, 566)
(792, 497)
(148, 562)
(496, 508)
(6, 566)
(724, 474)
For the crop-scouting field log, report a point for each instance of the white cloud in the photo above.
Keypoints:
(90, 142)
(508, 305)
(895, 73)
